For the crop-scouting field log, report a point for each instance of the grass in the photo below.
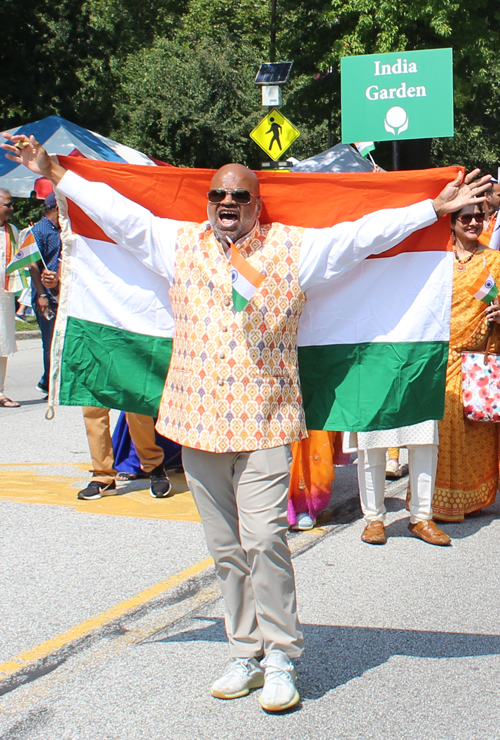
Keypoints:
(31, 324)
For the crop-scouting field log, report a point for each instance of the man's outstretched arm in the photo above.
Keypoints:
(327, 253)
(127, 223)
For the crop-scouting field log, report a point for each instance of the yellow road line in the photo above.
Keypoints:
(27, 658)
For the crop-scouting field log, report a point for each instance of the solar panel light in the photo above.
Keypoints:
(273, 73)
(270, 77)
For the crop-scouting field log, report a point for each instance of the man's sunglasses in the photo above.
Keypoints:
(10, 204)
(240, 196)
(466, 219)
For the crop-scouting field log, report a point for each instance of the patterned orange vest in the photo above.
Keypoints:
(233, 381)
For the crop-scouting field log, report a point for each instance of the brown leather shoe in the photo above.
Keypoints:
(429, 532)
(374, 533)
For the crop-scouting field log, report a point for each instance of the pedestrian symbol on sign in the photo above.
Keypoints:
(273, 130)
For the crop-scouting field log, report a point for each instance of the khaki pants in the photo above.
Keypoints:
(422, 465)
(242, 500)
(101, 449)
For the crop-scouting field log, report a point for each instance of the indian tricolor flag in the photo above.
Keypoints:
(484, 287)
(245, 278)
(26, 255)
(373, 343)
(365, 147)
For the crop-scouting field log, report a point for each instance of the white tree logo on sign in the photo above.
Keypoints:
(396, 120)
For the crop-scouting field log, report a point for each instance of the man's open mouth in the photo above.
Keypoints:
(227, 218)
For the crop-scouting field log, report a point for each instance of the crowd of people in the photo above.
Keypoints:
(245, 485)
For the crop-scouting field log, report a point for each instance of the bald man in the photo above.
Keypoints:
(232, 396)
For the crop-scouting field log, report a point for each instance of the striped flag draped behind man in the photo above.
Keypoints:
(373, 344)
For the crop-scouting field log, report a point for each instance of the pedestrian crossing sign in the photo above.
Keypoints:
(275, 134)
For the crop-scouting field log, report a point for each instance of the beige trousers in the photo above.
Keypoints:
(242, 500)
(101, 449)
(422, 466)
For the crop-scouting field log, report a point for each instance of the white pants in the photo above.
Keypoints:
(422, 471)
(3, 373)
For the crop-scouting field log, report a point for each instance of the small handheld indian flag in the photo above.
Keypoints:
(26, 255)
(246, 279)
(484, 287)
(364, 147)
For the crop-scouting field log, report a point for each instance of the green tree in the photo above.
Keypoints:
(191, 102)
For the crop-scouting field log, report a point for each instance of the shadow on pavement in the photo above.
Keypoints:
(335, 655)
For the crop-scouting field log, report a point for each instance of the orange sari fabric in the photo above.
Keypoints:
(467, 473)
(312, 474)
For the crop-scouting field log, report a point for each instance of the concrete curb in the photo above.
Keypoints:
(34, 334)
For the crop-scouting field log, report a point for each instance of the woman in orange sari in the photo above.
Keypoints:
(311, 477)
(467, 472)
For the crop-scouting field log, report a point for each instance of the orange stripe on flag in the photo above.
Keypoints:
(30, 239)
(249, 273)
(479, 281)
(311, 200)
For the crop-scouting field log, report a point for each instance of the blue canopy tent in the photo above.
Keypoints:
(60, 136)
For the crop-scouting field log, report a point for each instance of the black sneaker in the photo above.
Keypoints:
(160, 484)
(96, 489)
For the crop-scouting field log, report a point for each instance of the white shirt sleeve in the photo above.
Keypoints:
(326, 254)
(495, 237)
(150, 238)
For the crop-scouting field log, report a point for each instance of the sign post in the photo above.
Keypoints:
(401, 95)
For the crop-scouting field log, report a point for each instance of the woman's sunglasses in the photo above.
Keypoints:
(466, 219)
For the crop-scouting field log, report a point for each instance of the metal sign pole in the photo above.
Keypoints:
(395, 155)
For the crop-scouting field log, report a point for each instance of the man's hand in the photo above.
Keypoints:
(49, 279)
(462, 192)
(29, 152)
(42, 304)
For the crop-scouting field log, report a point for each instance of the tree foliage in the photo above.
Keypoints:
(175, 77)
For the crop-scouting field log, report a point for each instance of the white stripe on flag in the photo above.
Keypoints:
(360, 306)
(110, 286)
(242, 286)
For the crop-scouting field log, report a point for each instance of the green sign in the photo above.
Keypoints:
(402, 95)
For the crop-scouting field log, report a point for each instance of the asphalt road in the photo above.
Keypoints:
(112, 624)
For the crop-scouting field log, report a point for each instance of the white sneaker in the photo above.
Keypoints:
(241, 675)
(279, 691)
(304, 521)
(393, 469)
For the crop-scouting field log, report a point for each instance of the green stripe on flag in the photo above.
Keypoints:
(98, 359)
(374, 385)
(239, 301)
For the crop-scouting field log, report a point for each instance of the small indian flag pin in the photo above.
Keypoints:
(484, 287)
(245, 278)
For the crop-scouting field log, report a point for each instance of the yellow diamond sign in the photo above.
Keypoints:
(275, 134)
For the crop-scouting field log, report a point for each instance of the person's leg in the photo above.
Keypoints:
(142, 432)
(371, 481)
(393, 468)
(210, 479)
(422, 465)
(3, 375)
(99, 439)
(47, 331)
(261, 480)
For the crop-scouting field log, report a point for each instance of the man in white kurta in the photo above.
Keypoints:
(8, 245)
(232, 395)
